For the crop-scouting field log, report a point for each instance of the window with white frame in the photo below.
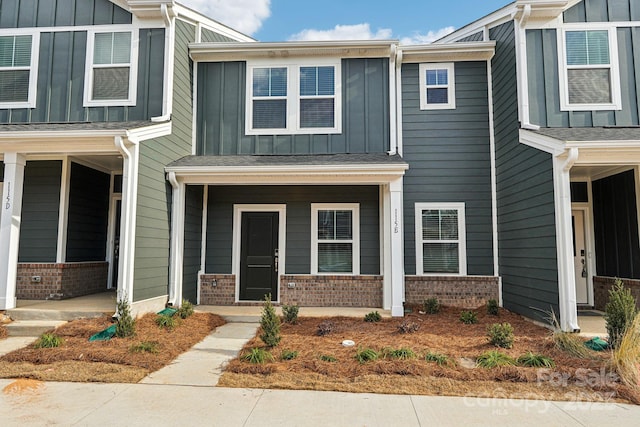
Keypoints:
(437, 86)
(111, 69)
(335, 238)
(440, 239)
(289, 98)
(18, 70)
(590, 78)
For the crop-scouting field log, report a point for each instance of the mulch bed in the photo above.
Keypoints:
(571, 379)
(3, 332)
(77, 359)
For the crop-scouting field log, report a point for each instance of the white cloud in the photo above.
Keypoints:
(343, 32)
(429, 37)
(245, 16)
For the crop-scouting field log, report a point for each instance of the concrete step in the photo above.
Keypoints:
(36, 314)
(31, 328)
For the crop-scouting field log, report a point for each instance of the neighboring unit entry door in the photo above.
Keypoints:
(259, 256)
(580, 263)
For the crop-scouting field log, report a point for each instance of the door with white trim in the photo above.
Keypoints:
(580, 263)
(259, 256)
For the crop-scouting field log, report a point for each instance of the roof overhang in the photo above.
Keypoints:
(76, 138)
(200, 52)
(471, 51)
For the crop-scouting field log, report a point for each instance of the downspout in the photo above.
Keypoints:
(398, 82)
(393, 133)
(521, 69)
(168, 17)
(128, 224)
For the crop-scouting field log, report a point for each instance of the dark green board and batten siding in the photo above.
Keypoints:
(192, 241)
(60, 84)
(542, 54)
(40, 211)
(448, 152)
(57, 13)
(298, 200)
(151, 275)
(525, 196)
(221, 113)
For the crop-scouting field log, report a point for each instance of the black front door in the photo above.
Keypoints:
(259, 256)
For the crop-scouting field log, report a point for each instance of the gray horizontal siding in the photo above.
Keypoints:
(448, 152)
(544, 93)
(54, 13)
(298, 200)
(154, 192)
(40, 211)
(88, 214)
(221, 113)
(603, 11)
(60, 83)
(192, 242)
(526, 214)
(209, 36)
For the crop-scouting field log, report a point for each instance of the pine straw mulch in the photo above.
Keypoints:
(572, 379)
(77, 359)
(3, 332)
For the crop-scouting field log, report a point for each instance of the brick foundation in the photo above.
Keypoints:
(456, 291)
(309, 291)
(602, 285)
(61, 281)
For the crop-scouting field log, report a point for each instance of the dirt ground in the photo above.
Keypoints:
(77, 359)
(572, 378)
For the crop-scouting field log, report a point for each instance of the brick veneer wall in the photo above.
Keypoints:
(332, 291)
(310, 291)
(602, 285)
(456, 291)
(61, 281)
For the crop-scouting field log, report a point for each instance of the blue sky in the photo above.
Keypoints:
(411, 21)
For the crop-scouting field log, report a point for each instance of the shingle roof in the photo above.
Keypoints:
(288, 160)
(592, 134)
(74, 126)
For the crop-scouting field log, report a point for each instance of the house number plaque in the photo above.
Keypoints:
(396, 226)
(7, 205)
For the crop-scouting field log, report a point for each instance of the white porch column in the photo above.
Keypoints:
(394, 248)
(177, 240)
(10, 218)
(564, 232)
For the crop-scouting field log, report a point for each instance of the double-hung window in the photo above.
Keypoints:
(440, 239)
(590, 77)
(335, 238)
(288, 98)
(437, 86)
(111, 69)
(18, 70)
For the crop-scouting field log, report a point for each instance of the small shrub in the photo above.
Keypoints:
(431, 306)
(533, 360)
(493, 358)
(571, 344)
(325, 327)
(270, 323)
(408, 327)
(492, 307)
(144, 347)
(328, 358)
(48, 340)
(185, 310)
(619, 312)
(125, 324)
(366, 355)
(501, 335)
(403, 353)
(166, 321)
(469, 317)
(440, 359)
(290, 313)
(288, 354)
(257, 356)
(374, 316)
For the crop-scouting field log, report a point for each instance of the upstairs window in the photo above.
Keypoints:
(290, 98)
(590, 79)
(440, 239)
(437, 86)
(18, 70)
(111, 69)
(335, 238)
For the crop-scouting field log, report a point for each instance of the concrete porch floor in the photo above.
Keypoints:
(103, 301)
(592, 326)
